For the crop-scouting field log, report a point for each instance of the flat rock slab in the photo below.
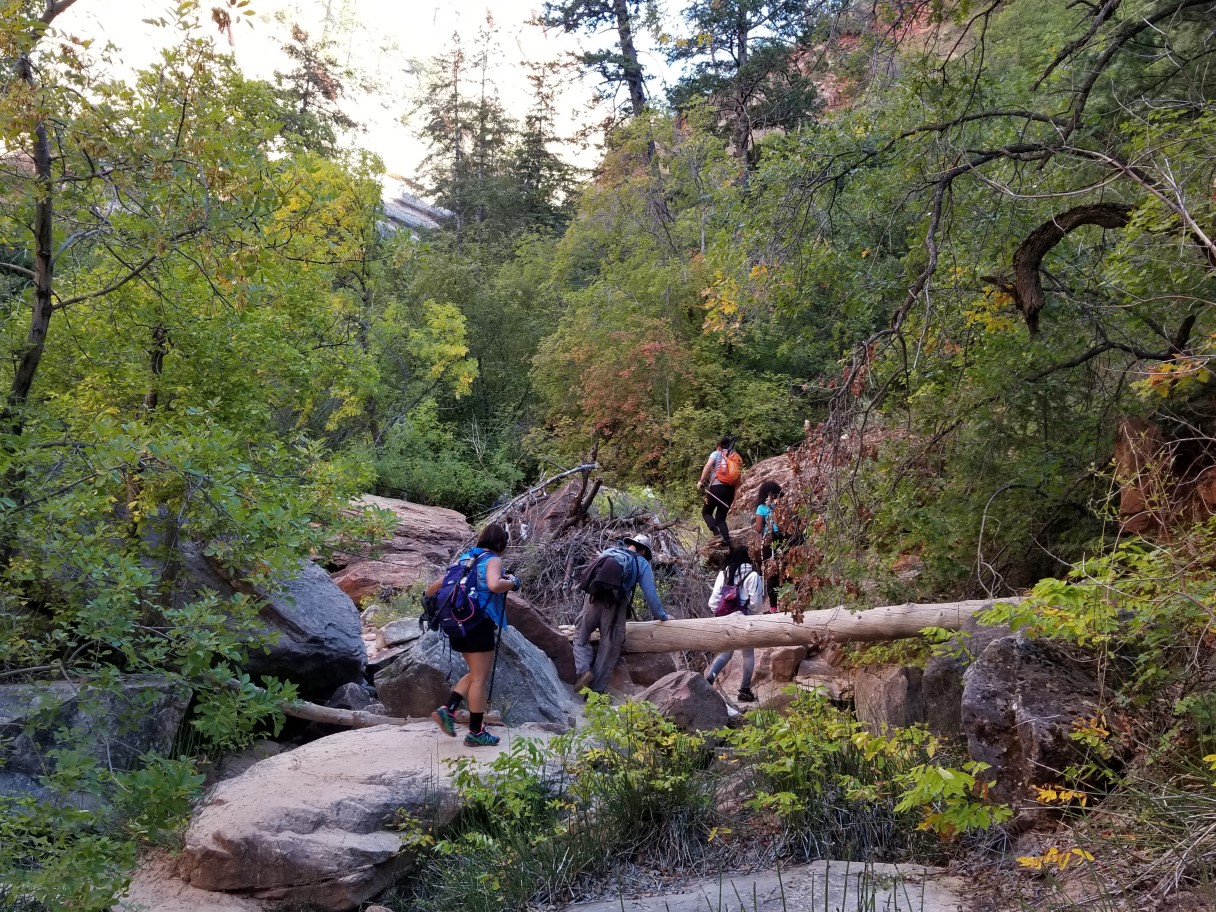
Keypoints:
(314, 825)
(822, 886)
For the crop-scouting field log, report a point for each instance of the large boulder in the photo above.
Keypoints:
(687, 699)
(526, 686)
(1021, 699)
(776, 468)
(887, 697)
(424, 541)
(116, 726)
(941, 686)
(313, 635)
(543, 635)
(315, 825)
(645, 668)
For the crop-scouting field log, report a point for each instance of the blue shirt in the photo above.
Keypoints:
(494, 603)
(770, 527)
(636, 571)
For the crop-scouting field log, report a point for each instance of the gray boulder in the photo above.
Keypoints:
(526, 686)
(942, 683)
(313, 635)
(941, 691)
(117, 727)
(1020, 700)
(315, 826)
(687, 699)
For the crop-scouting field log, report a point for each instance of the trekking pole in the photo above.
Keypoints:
(494, 666)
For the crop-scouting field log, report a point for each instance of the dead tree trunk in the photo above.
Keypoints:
(738, 631)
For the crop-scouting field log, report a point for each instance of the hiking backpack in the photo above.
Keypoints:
(459, 605)
(732, 599)
(604, 579)
(730, 469)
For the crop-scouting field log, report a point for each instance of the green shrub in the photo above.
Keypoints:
(423, 459)
(841, 792)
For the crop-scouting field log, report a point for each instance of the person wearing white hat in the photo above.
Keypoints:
(610, 583)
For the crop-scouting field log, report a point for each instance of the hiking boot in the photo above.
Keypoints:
(480, 739)
(444, 719)
(746, 696)
(583, 680)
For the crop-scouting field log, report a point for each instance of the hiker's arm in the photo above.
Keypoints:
(650, 594)
(433, 588)
(715, 597)
(755, 592)
(758, 523)
(707, 471)
(495, 581)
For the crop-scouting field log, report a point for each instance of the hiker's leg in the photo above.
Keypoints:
(462, 686)
(749, 668)
(720, 497)
(718, 664)
(612, 638)
(588, 621)
(480, 664)
(707, 514)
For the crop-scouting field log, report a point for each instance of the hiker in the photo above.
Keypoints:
(771, 536)
(610, 582)
(719, 478)
(477, 646)
(738, 589)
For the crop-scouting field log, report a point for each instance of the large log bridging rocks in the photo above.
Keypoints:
(738, 631)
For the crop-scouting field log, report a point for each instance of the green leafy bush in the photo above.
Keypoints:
(841, 792)
(424, 459)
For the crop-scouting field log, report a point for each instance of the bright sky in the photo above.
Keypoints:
(380, 46)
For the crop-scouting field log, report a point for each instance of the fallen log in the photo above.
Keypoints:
(738, 631)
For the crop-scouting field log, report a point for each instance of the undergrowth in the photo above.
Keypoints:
(545, 821)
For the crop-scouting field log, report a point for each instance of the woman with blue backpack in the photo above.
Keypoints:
(472, 597)
(738, 589)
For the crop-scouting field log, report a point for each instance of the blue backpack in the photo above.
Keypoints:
(459, 605)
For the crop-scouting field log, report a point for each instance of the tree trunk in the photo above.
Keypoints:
(40, 319)
(738, 631)
(741, 131)
(631, 68)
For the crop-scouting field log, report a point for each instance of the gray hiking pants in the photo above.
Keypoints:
(609, 618)
(749, 667)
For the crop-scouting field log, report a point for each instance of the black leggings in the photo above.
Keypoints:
(718, 499)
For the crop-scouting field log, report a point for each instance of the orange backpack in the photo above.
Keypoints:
(730, 469)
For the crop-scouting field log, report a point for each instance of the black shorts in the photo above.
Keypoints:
(480, 639)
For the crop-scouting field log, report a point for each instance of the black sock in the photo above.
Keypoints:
(454, 701)
(475, 723)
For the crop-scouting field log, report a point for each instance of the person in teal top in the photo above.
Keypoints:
(477, 647)
(766, 524)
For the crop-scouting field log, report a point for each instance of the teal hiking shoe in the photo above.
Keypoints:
(445, 721)
(480, 739)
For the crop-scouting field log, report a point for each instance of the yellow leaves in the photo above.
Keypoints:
(1171, 376)
(1055, 858)
(1060, 795)
(993, 312)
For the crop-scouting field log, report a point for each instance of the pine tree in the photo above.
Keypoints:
(744, 60)
(619, 66)
(310, 94)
